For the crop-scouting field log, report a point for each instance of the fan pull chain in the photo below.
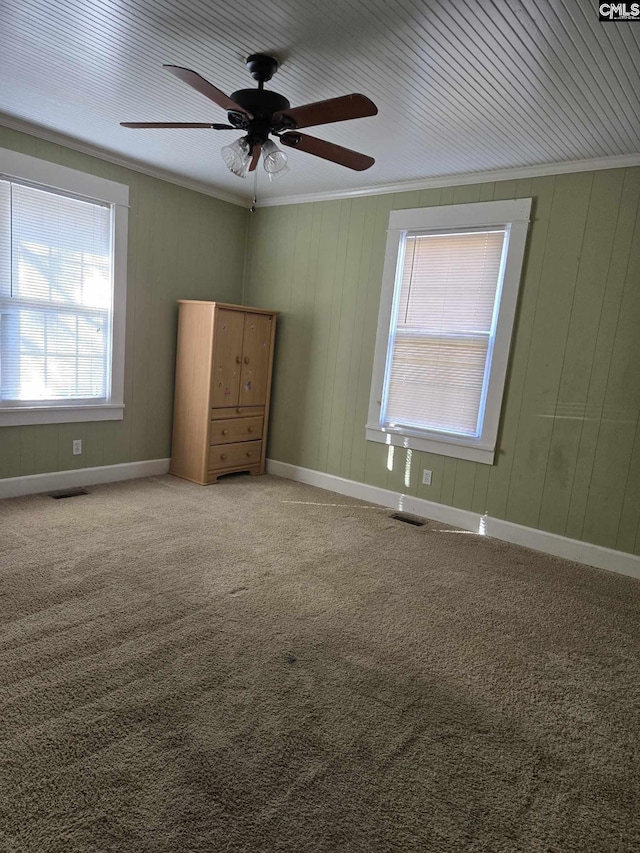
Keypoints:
(252, 207)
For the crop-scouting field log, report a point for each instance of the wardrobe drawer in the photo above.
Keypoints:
(246, 453)
(237, 412)
(235, 429)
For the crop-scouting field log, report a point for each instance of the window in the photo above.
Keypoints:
(449, 295)
(62, 288)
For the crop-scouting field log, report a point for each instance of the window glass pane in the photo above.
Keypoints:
(60, 248)
(53, 356)
(436, 382)
(449, 281)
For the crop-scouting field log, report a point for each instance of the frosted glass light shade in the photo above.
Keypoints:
(274, 160)
(237, 157)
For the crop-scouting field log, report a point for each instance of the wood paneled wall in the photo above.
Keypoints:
(182, 244)
(569, 444)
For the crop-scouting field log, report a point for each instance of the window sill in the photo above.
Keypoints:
(26, 415)
(457, 448)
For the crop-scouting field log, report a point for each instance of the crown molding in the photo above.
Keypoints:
(596, 164)
(118, 160)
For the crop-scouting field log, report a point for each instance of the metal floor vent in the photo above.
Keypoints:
(68, 493)
(408, 519)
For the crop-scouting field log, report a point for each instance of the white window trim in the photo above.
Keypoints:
(52, 176)
(514, 214)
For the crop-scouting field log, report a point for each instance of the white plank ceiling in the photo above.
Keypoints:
(461, 85)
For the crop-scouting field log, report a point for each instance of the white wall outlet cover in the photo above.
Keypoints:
(77, 446)
(426, 477)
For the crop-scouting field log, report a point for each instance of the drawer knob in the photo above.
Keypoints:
(246, 359)
(238, 359)
(223, 456)
(249, 452)
(238, 411)
(225, 431)
(249, 429)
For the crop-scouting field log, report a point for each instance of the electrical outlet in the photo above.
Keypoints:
(426, 477)
(77, 446)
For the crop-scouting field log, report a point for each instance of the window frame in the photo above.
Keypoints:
(512, 215)
(53, 177)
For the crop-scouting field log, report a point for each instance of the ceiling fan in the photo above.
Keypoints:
(259, 113)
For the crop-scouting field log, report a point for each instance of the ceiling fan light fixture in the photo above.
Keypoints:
(274, 160)
(274, 176)
(237, 156)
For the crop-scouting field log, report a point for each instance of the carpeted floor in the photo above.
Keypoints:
(263, 666)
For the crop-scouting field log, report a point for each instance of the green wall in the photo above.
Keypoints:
(182, 244)
(569, 445)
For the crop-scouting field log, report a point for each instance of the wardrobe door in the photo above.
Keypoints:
(227, 357)
(256, 358)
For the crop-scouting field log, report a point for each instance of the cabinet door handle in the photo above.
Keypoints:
(225, 431)
(246, 359)
(238, 359)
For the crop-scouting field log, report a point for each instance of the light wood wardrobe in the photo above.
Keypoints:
(223, 384)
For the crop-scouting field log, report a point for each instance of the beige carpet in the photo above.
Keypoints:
(264, 666)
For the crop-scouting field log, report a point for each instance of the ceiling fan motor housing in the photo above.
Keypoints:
(262, 105)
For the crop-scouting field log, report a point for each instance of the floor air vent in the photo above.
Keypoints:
(68, 493)
(408, 519)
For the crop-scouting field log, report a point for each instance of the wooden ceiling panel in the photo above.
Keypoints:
(461, 85)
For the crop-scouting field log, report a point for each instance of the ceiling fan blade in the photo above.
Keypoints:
(175, 124)
(193, 79)
(255, 157)
(326, 112)
(327, 150)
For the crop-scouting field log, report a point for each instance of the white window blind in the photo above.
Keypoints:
(56, 297)
(447, 294)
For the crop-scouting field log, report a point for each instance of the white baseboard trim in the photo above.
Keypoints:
(34, 484)
(518, 534)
